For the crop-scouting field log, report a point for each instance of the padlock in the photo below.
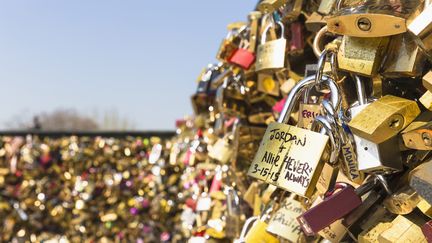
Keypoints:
(404, 229)
(418, 135)
(233, 215)
(244, 56)
(249, 195)
(404, 58)
(258, 233)
(296, 43)
(351, 164)
(245, 229)
(420, 180)
(230, 42)
(327, 178)
(367, 214)
(426, 100)
(267, 84)
(291, 11)
(309, 109)
(330, 130)
(271, 54)
(421, 26)
(402, 201)
(230, 98)
(427, 231)
(362, 55)
(283, 222)
(345, 200)
(384, 118)
(427, 81)
(281, 159)
(370, 18)
(269, 6)
(222, 150)
(314, 22)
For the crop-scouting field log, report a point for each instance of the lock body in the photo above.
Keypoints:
(421, 181)
(362, 56)
(324, 214)
(384, 118)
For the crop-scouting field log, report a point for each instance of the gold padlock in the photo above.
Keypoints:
(281, 159)
(258, 232)
(362, 55)
(291, 11)
(271, 54)
(315, 22)
(404, 230)
(231, 42)
(384, 118)
(284, 221)
(427, 81)
(308, 109)
(366, 25)
(269, 6)
(267, 84)
(418, 135)
(371, 18)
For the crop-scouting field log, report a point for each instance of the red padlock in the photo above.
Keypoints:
(297, 38)
(242, 57)
(337, 203)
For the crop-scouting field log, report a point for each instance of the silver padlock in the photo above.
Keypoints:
(384, 157)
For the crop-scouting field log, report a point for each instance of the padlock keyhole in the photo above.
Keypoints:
(364, 24)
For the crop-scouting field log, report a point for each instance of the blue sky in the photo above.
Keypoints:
(140, 58)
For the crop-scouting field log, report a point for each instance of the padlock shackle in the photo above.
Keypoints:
(360, 89)
(337, 186)
(267, 28)
(246, 227)
(298, 90)
(317, 41)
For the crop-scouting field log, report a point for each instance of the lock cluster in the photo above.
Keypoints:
(316, 121)
(313, 125)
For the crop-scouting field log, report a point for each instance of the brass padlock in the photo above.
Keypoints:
(404, 229)
(258, 233)
(427, 81)
(269, 6)
(403, 201)
(291, 11)
(283, 222)
(315, 22)
(371, 18)
(223, 149)
(267, 84)
(271, 54)
(281, 159)
(384, 118)
(231, 41)
(309, 109)
(362, 55)
(418, 135)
